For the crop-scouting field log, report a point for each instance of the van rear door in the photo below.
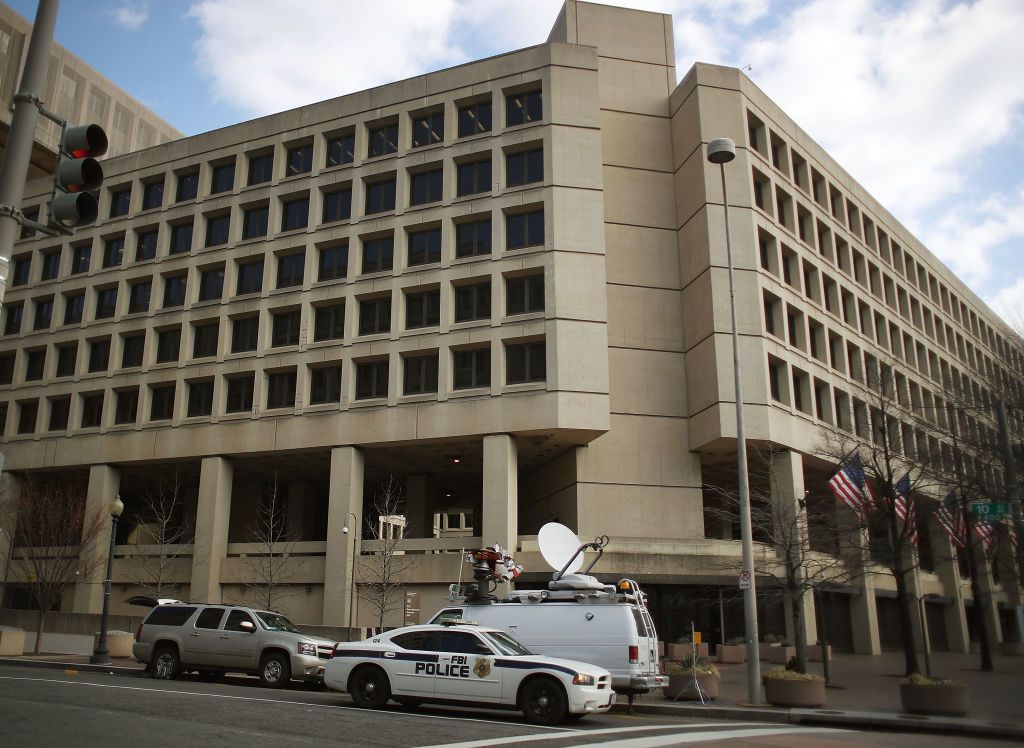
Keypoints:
(647, 646)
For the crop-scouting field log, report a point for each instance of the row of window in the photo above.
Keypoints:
(525, 362)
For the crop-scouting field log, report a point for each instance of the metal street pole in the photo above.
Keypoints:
(101, 655)
(721, 152)
(352, 575)
(1012, 486)
(21, 136)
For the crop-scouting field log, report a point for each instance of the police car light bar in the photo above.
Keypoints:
(458, 622)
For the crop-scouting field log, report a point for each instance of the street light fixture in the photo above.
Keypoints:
(721, 151)
(101, 655)
(352, 571)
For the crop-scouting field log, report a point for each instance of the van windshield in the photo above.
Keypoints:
(277, 622)
(505, 644)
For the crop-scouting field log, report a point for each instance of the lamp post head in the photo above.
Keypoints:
(721, 151)
(345, 529)
(116, 506)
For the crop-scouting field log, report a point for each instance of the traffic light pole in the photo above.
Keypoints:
(21, 137)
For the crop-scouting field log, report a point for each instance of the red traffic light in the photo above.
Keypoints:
(85, 140)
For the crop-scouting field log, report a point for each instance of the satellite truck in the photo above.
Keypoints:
(577, 617)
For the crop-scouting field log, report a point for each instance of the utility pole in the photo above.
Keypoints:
(1012, 487)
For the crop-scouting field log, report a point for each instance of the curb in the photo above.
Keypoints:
(83, 667)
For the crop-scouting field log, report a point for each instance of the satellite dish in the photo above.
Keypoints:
(557, 545)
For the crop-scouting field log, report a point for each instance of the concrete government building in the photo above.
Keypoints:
(504, 284)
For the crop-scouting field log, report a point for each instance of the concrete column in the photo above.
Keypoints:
(949, 574)
(346, 495)
(501, 492)
(104, 483)
(419, 511)
(212, 515)
(10, 495)
(787, 491)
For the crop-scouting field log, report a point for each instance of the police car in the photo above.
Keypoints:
(458, 662)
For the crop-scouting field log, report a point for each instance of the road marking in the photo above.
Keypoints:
(578, 733)
(706, 736)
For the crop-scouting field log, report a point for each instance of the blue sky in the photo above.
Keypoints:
(922, 101)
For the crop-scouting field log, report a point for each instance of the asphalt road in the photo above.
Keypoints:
(51, 707)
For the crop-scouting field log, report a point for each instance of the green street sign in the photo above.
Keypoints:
(990, 510)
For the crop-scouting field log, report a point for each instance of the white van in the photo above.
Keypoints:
(608, 628)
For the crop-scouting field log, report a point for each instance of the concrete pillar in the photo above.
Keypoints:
(104, 483)
(501, 492)
(787, 493)
(212, 515)
(419, 510)
(949, 574)
(344, 509)
(10, 495)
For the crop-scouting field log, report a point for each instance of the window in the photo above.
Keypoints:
(474, 118)
(145, 245)
(240, 393)
(473, 302)
(333, 262)
(35, 363)
(371, 380)
(524, 167)
(422, 309)
(424, 247)
(285, 328)
(426, 187)
(329, 322)
(375, 315)
(420, 375)
(12, 325)
(60, 409)
(300, 160)
(295, 213)
(245, 334)
(380, 196)
(427, 129)
(51, 265)
(523, 107)
(204, 340)
(325, 385)
(261, 168)
(525, 362)
(28, 414)
(341, 149)
(153, 195)
(92, 410)
(119, 202)
(524, 294)
(383, 140)
(168, 345)
(211, 283)
(22, 270)
(473, 238)
(524, 229)
(281, 389)
(250, 277)
(378, 254)
(99, 355)
(290, 269)
(106, 302)
(3, 418)
(44, 314)
(7, 368)
(222, 178)
(31, 214)
(126, 408)
(337, 205)
(181, 237)
(67, 359)
(474, 177)
(131, 353)
(162, 405)
(113, 250)
(472, 368)
(188, 188)
(200, 403)
(217, 229)
(254, 222)
(210, 617)
(138, 296)
(174, 290)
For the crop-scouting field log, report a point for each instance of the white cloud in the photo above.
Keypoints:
(130, 14)
(1009, 302)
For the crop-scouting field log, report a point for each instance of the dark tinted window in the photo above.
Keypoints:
(261, 168)
(209, 618)
(290, 269)
(380, 196)
(525, 229)
(474, 177)
(333, 262)
(341, 150)
(127, 406)
(428, 129)
(250, 277)
(217, 229)
(254, 221)
(51, 265)
(426, 187)
(383, 140)
(131, 354)
(170, 615)
(112, 251)
(378, 254)
(240, 394)
(295, 214)
(188, 186)
(119, 201)
(145, 249)
(641, 627)
(325, 385)
(211, 284)
(463, 642)
(421, 640)
(200, 403)
(523, 107)
(300, 159)
(152, 195)
(525, 167)
(474, 118)
(181, 237)
(235, 618)
(80, 258)
(425, 247)
(473, 238)
(223, 178)
(337, 205)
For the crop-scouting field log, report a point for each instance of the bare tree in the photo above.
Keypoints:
(51, 531)
(271, 566)
(384, 567)
(160, 517)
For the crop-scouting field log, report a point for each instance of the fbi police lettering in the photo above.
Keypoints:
(457, 668)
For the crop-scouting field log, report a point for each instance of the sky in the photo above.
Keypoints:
(921, 101)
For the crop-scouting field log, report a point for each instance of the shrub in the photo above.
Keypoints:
(780, 674)
(736, 641)
(691, 664)
(916, 679)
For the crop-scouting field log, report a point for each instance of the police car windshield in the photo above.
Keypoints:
(505, 644)
(277, 622)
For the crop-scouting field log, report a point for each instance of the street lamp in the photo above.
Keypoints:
(721, 151)
(100, 655)
(352, 570)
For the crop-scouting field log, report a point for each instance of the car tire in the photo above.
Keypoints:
(165, 665)
(275, 670)
(543, 701)
(408, 702)
(369, 687)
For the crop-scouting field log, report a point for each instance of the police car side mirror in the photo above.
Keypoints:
(247, 626)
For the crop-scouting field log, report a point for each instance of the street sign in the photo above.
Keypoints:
(696, 637)
(990, 510)
(744, 579)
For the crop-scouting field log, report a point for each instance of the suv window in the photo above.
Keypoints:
(422, 640)
(170, 615)
(210, 618)
(463, 642)
(235, 619)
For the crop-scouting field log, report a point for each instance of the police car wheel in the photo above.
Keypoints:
(369, 687)
(543, 702)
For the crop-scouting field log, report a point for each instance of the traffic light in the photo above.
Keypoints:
(77, 173)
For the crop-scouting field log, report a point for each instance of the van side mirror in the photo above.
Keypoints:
(247, 626)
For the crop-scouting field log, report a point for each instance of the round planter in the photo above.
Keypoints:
(950, 700)
(680, 687)
(796, 693)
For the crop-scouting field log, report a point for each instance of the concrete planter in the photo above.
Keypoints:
(764, 650)
(732, 653)
(805, 694)
(780, 655)
(680, 687)
(678, 652)
(949, 700)
(1012, 649)
(814, 653)
(12, 642)
(119, 643)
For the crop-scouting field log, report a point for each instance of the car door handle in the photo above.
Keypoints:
(389, 654)
(193, 634)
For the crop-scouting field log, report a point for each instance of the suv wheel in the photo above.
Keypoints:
(275, 670)
(543, 702)
(369, 687)
(165, 663)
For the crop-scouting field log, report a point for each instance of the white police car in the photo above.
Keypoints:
(457, 662)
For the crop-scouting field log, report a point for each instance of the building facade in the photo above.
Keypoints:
(503, 285)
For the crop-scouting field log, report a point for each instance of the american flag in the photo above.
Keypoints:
(951, 518)
(905, 508)
(850, 486)
(987, 531)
